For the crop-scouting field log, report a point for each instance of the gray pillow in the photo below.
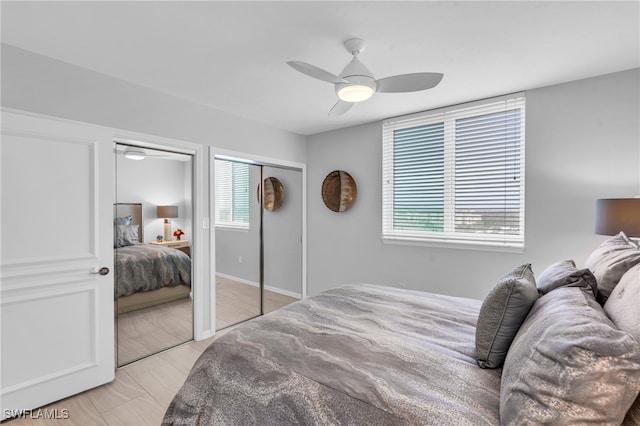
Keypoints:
(126, 220)
(565, 274)
(623, 306)
(610, 261)
(569, 364)
(501, 314)
(125, 235)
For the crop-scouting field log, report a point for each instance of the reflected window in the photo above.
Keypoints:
(231, 194)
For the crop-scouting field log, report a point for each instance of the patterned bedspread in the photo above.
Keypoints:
(358, 354)
(145, 267)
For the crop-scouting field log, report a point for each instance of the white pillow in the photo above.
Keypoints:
(610, 261)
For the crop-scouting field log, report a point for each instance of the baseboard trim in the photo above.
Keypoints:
(266, 287)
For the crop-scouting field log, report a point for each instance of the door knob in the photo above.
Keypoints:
(102, 271)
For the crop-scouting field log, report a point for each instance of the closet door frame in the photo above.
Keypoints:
(201, 325)
(257, 160)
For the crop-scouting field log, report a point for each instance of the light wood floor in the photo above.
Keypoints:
(150, 330)
(237, 302)
(142, 391)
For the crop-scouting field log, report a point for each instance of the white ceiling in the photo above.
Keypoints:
(231, 55)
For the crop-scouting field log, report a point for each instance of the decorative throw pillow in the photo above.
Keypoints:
(126, 220)
(610, 261)
(569, 364)
(565, 274)
(117, 237)
(125, 235)
(623, 306)
(501, 314)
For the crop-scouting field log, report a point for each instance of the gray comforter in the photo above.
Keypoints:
(146, 267)
(358, 354)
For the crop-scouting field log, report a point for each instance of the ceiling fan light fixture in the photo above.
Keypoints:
(355, 93)
(357, 84)
(134, 155)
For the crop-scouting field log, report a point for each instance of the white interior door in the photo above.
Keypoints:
(57, 183)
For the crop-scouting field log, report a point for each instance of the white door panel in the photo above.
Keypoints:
(56, 227)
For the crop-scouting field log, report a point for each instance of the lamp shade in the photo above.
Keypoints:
(618, 214)
(167, 211)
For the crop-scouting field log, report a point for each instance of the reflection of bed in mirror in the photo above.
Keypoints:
(145, 274)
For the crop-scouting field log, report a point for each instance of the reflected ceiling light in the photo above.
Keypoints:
(133, 154)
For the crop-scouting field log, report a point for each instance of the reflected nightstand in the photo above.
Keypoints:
(182, 245)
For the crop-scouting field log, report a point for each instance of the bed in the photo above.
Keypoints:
(145, 274)
(365, 354)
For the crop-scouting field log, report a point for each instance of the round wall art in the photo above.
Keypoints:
(339, 191)
(273, 194)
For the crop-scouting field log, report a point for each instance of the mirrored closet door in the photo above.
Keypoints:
(282, 239)
(152, 229)
(258, 239)
(237, 222)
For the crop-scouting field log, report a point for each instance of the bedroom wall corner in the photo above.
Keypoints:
(583, 143)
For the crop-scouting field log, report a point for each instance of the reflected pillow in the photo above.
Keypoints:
(565, 274)
(125, 220)
(569, 364)
(610, 261)
(501, 314)
(125, 235)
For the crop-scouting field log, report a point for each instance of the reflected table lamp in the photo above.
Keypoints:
(618, 214)
(166, 213)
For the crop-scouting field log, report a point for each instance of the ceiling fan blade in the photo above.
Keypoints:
(409, 82)
(340, 108)
(315, 72)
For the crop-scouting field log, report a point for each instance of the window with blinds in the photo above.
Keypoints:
(456, 175)
(231, 194)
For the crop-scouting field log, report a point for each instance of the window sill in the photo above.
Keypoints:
(231, 228)
(502, 248)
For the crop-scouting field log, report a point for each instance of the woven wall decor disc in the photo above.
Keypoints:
(339, 191)
(273, 194)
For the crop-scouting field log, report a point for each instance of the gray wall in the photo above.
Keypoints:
(583, 143)
(154, 182)
(36, 83)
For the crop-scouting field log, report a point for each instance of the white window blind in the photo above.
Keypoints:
(456, 175)
(231, 194)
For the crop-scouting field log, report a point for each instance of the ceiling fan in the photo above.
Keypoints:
(356, 83)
